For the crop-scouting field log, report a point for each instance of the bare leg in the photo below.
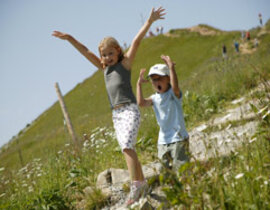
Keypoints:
(133, 164)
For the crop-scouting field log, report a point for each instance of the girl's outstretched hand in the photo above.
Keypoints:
(141, 77)
(61, 35)
(157, 14)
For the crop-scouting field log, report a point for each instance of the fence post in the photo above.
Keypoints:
(66, 115)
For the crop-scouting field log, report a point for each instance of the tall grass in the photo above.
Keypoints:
(238, 181)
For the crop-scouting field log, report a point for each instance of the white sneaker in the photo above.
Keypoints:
(136, 193)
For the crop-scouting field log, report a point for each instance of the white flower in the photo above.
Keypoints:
(37, 159)
(24, 185)
(267, 113)
(30, 189)
(252, 140)
(2, 195)
(238, 176)
(60, 152)
(86, 143)
(2, 169)
(38, 175)
(265, 182)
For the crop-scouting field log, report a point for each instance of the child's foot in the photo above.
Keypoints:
(136, 192)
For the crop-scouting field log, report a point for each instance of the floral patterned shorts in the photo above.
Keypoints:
(126, 121)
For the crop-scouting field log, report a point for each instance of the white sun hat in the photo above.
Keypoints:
(159, 69)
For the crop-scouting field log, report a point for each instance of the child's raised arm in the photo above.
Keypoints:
(81, 48)
(173, 76)
(140, 99)
(130, 55)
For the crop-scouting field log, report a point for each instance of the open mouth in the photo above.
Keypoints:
(159, 87)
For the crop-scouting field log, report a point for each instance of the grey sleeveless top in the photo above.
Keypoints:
(117, 81)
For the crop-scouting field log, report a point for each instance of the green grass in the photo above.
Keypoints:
(54, 175)
(238, 181)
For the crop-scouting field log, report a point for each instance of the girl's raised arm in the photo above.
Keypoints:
(130, 55)
(81, 48)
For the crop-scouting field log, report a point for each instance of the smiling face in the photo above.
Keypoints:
(109, 55)
(110, 51)
(161, 84)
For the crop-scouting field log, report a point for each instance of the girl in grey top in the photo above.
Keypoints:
(116, 67)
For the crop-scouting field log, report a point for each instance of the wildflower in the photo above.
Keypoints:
(262, 110)
(226, 176)
(38, 175)
(24, 185)
(228, 127)
(267, 113)
(252, 140)
(2, 169)
(102, 140)
(30, 189)
(2, 195)
(265, 182)
(59, 152)
(86, 143)
(238, 176)
(37, 159)
(67, 145)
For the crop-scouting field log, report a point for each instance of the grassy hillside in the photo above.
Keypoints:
(51, 175)
(200, 68)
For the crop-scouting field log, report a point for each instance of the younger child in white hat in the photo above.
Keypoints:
(167, 104)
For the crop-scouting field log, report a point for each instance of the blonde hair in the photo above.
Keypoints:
(111, 42)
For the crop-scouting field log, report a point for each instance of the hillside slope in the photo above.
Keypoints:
(199, 61)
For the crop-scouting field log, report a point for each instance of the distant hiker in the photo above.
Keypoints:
(243, 35)
(248, 35)
(116, 67)
(125, 46)
(157, 30)
(224, 51)
(236, 46)
(256, 42)
(161, 29)
(173, 139)
(260, 19)
(151, 34)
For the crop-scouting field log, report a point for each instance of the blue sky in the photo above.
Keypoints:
(31, 60)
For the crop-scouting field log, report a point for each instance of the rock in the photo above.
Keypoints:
(119, 176)
(151, 170)
(145, 205)
(104, 179)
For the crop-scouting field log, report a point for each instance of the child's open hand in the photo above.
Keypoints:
(157, 14)
(141, 77)
(61, 35)
(167, 60)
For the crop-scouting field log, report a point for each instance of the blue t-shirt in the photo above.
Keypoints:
(169, 115)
